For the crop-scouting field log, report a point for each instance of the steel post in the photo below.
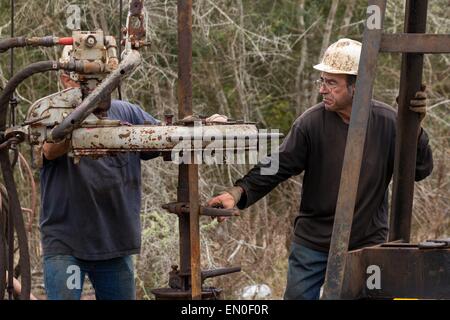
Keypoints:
(188, 173)
(352, 158)
(408, 125)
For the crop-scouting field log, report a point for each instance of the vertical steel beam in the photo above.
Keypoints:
(196, 277)
(408, 125)
(354, 148)
(188, 173)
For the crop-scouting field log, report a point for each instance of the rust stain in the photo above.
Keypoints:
(124, 135)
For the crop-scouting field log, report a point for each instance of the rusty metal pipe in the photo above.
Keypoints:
(182, 208)
(189, 172)
(415, 43)
(408, 124)
(194, 213)
(218, 212)
(184, 58)
(219, 272)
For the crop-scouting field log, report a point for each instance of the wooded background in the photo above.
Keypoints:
(252, 60)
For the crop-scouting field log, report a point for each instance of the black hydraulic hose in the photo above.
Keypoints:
(12, 43)
(4, 209)
(15, 213)
(17, 42)
(18, 78)
(11, 255)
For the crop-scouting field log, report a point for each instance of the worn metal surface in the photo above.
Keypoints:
(184, 58)
(162, 138)
(135, 24)
(184, 192)
(49, 111)
(187, 282)
(434, 244)
(183, 208)
(22, 75)
(352, 160)
(194, 212)
(178, 294)
(408, 125)
(415, 43)
(404, 272)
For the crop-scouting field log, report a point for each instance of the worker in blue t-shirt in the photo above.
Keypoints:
(89, 220)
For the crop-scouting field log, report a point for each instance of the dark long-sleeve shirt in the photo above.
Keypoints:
(316, 145)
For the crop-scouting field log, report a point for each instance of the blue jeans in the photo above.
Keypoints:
(306, 273)
(112, 279)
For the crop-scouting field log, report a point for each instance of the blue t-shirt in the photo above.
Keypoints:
(91, 210)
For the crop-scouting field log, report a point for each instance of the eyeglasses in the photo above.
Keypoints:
(329, 84)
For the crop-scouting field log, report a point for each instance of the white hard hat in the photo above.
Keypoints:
(341, 57)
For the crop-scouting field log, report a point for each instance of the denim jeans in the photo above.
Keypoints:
(112, 279)
(306, 273)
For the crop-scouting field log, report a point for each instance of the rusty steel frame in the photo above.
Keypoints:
(424, 274)
(352, 160)
(188, 173)
(408, 125)
(415, 43)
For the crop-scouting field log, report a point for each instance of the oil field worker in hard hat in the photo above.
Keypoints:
(90, 214)
(315, 145)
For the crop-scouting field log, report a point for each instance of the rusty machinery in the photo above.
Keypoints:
(407, 270)
(78, 114)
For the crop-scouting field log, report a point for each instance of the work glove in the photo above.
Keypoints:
(419, 102)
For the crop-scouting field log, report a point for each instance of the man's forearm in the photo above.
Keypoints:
(54, 150)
